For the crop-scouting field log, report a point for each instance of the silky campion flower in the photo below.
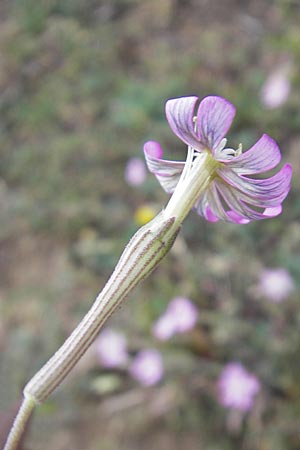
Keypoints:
(180, 317)
(135, 172)
(276, 89)
(237, 387)
(147, 367)
(230, 193)
(276, 284)
(111, 348)
(214, 179)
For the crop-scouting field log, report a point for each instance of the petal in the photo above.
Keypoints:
(180, 114)
(167, 172)
(214, 117)
(203, 209)
(236, 218)
(263, 156)
(264, 192)
(218, 208)
(222, 201)
(235, 203)
(209, 215)
(273, 212)
(209, 206)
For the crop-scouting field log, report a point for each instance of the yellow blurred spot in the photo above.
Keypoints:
(144, 214)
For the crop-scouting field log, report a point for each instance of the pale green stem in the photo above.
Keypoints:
(18, 428)
(142, 254)
(189, 189)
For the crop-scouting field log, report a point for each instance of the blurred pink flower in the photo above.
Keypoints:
(275, 90)
(164, 327)
(237, 387)
(180, 317)
(135, 172)
(275, 284)
(111, 348)
(147, 367)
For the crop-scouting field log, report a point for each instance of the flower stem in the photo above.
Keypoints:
(19, 425)
(191, 185)
(142, 254)
(144, 251)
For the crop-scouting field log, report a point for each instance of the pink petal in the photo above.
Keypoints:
(153, 149)
(214, 117)
(236, 218)
(263, 192)
(273, 212)
(228, 215)
(166, 172)
(180, 113)
(209, 205)
(209, 215)
(263, 156)
(236, 204)
(222, 201)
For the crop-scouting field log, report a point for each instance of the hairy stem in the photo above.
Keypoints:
(142, 254)
(140, 257)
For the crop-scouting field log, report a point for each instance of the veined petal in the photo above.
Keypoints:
(267, 192)
(180, 114)
(209, 206)
(223, 202)
(214, 117)
(166, 172)
(216, 206)
(235, 203)
(203, 209)
(263, 156)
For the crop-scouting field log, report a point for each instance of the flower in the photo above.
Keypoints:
(111, 348)
(135, 172)
(147, 367)
(237, 387)
(276, 284)
(275, 90)
(144, 214)
(217, 180)
(180, 317)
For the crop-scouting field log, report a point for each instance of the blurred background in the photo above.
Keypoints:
(83, 84)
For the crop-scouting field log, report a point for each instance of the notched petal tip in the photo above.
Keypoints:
(210, 216)
(153, 149)
(236, 218)
(166, 172)
(214, 118)
(180, 114)
(273, 212)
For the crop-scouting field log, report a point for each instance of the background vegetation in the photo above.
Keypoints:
(83, 85)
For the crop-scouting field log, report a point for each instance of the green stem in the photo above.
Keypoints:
(143, 253)
(20, 422)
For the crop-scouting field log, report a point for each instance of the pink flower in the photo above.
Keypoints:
(232, 194)
(111, 348)
(180, 317)
(276, 284)
(147, 367)
(135, 172)
(237, 387)
(275, 90)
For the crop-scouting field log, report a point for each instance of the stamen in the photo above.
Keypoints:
(188, 164)
(239, 150)
(195, 123)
